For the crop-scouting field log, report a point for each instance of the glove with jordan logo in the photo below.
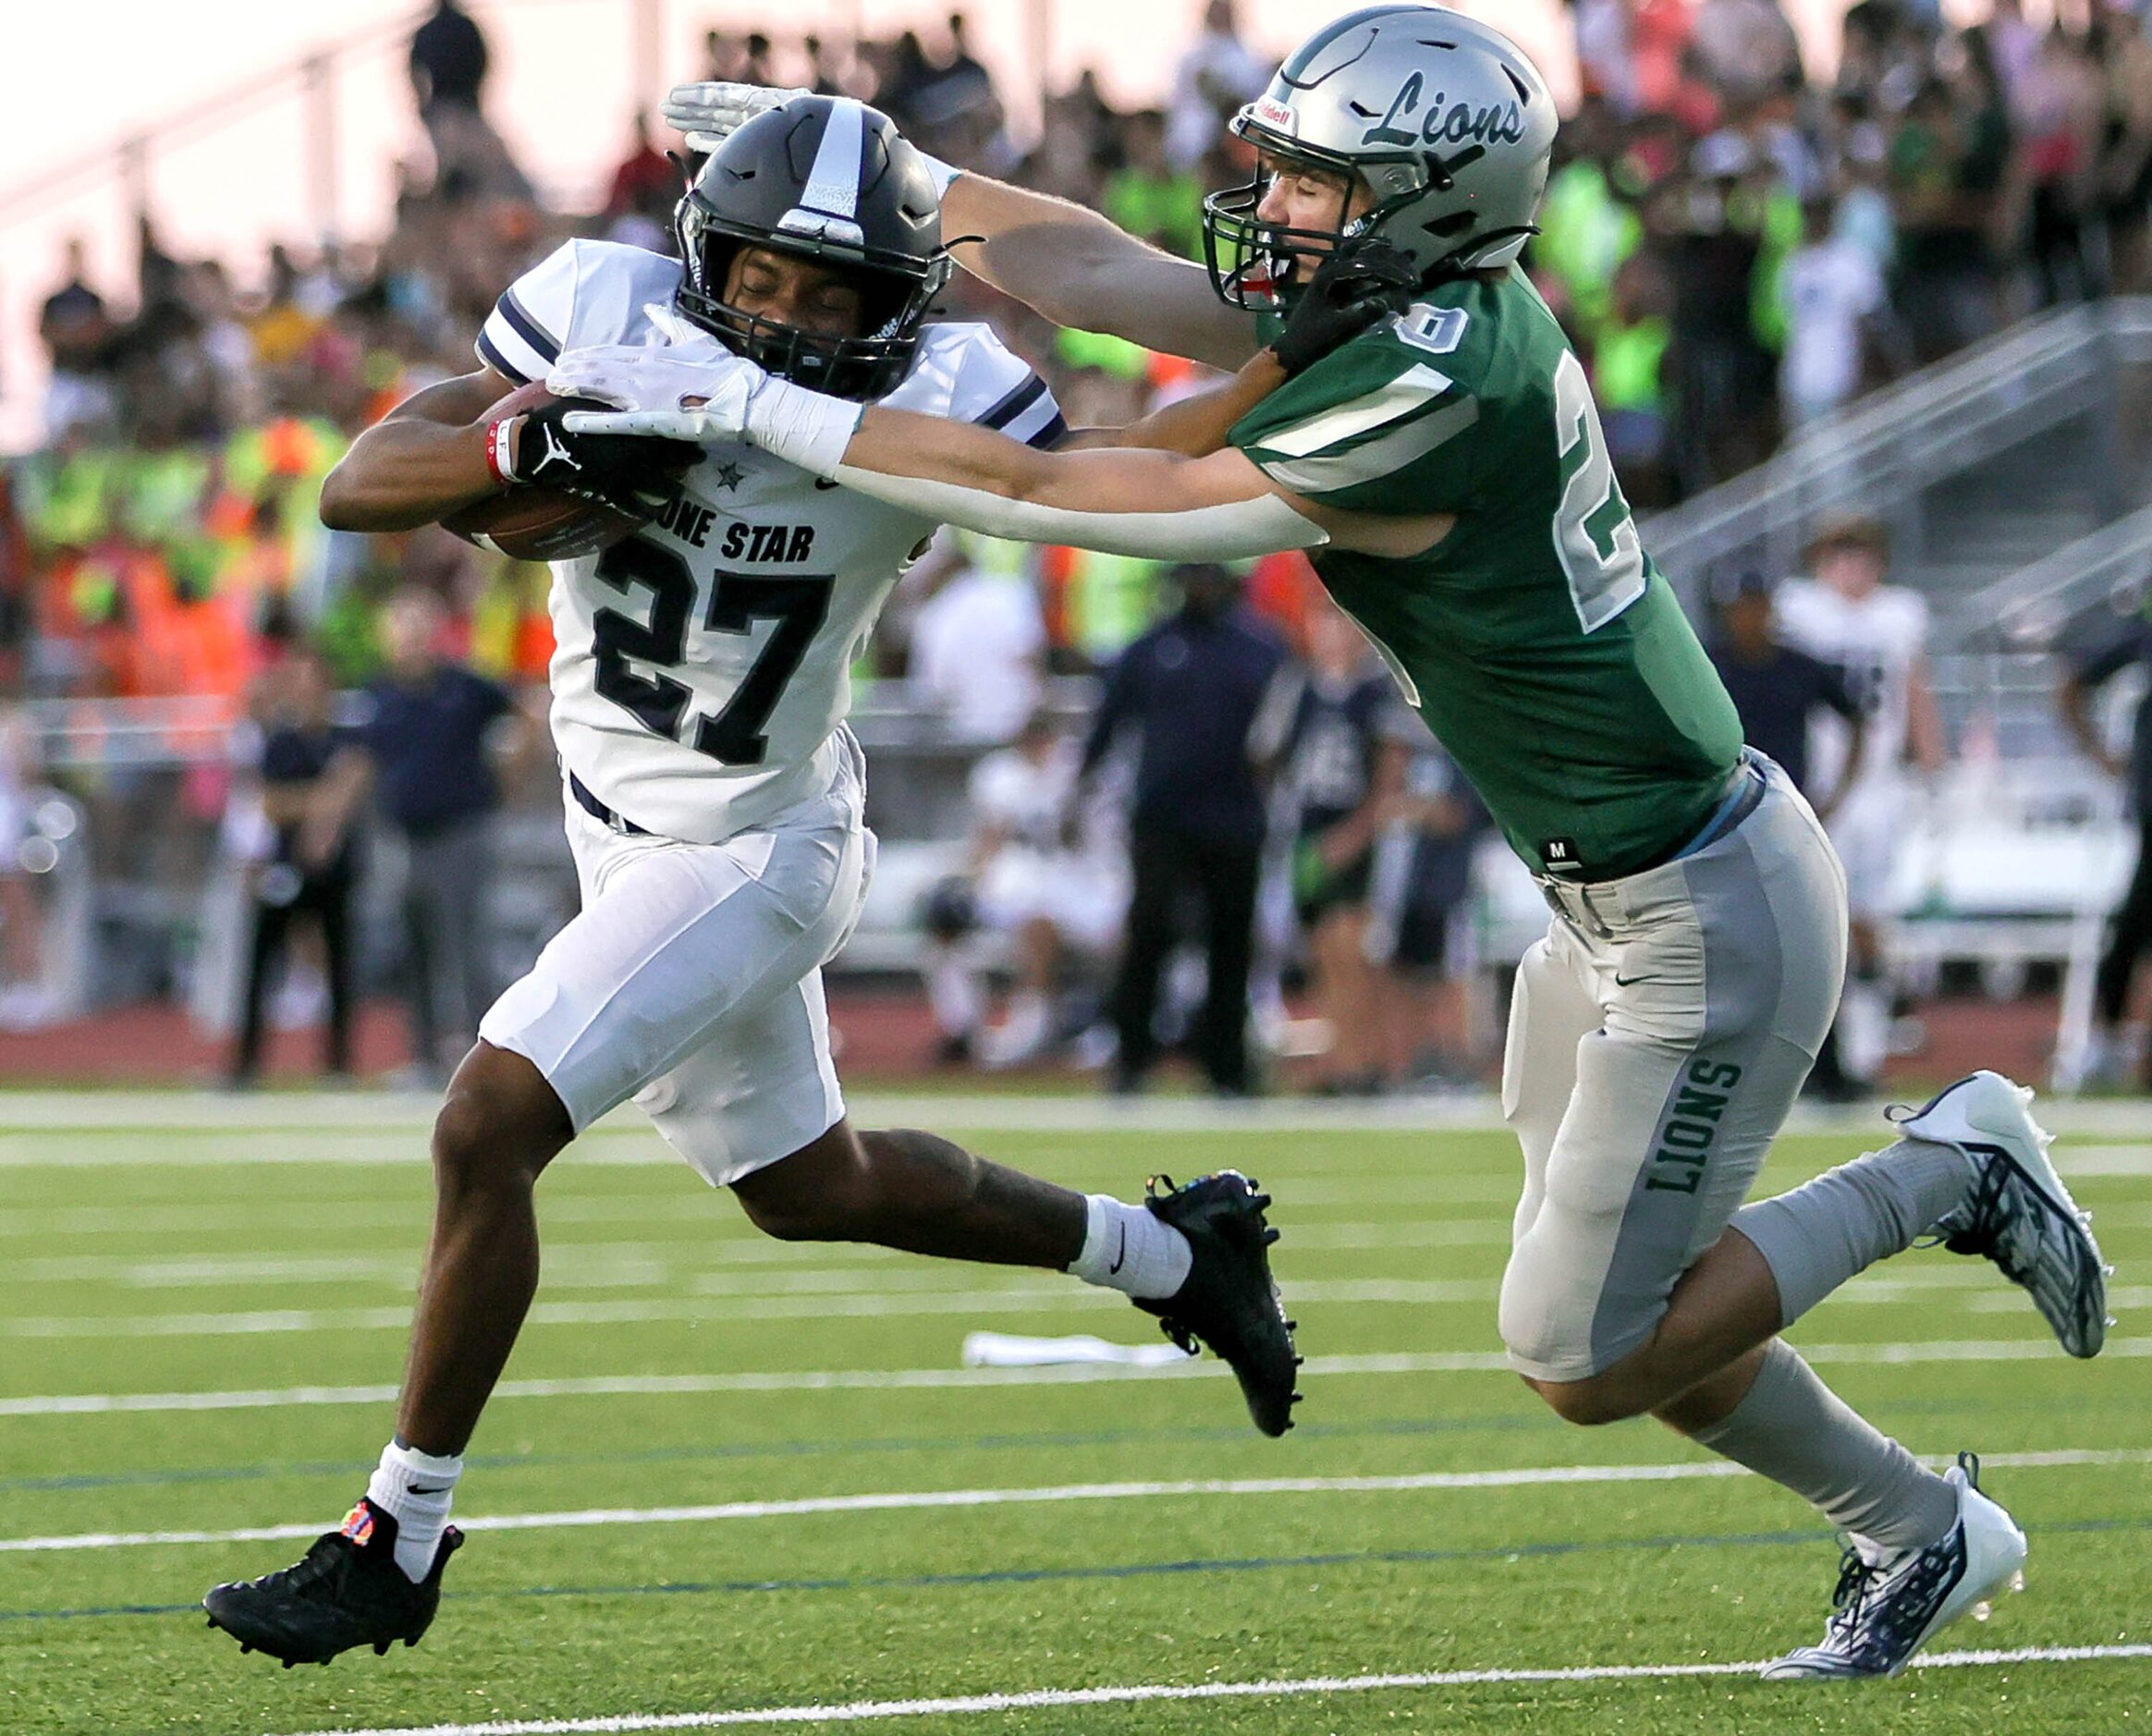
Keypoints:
(620, 470)
(1358, 284)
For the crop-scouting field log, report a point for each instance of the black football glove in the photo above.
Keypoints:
(632, 472)
(1358, 283)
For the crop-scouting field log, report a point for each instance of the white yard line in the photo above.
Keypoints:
(724, 1301)
(1374, 1363)
(172, 1270)
(411, 1211)
(2103, 1160)
(2008, 1302)
(1051, 1495)
(861, 1711)
(840, 1294)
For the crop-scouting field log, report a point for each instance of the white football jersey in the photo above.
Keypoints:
(703, 666)
(1874, 643)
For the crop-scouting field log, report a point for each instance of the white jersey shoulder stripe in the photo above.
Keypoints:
(514, 344)
(1411, 390)
(1328, 472)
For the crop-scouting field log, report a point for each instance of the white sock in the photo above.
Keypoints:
(1128, 1249)
(414, 1488)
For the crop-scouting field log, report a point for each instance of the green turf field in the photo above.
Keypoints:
(200, 1334)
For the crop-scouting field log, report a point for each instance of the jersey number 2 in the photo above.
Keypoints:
(1595, 538)
(798, 604)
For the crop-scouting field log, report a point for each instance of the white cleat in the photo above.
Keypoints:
(1882, 1614)
(2018, 1215)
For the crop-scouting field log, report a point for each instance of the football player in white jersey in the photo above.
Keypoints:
(1875, 634)
(714, 808)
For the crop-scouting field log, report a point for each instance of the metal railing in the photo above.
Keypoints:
(1882, 453)
(177, 730)
(2032, 604)
(312, 75)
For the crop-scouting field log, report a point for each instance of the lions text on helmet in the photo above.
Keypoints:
(1440, 125)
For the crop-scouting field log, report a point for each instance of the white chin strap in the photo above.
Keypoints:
(1233, 530)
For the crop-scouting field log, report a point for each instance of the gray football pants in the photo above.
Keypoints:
(1657, 1037)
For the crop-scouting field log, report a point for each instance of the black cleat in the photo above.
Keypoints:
(1229, 1302)
(348, 1590)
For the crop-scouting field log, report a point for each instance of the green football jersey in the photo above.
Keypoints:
(1537, 639)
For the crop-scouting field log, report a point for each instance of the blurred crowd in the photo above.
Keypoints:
(1738, 248)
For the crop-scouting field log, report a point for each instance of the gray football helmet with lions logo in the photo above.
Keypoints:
(1443, 116)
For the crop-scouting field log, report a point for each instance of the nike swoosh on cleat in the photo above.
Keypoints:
(1120, 1252)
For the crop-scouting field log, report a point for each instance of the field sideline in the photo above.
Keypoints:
(738, 1484)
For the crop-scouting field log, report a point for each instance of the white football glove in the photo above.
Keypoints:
(707, 113)
(687, 369)
(694, 388)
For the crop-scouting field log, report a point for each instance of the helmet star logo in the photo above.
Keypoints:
(726, 475)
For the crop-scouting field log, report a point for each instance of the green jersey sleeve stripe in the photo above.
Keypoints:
(1329, 472)
(1411, 391)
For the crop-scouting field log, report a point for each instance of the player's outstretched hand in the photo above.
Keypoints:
(691, 387)
(709, 112)
(642, 377)
(1358, 283)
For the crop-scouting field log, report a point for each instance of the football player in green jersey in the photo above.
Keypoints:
(1446, 468)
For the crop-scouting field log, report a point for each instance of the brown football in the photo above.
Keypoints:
(540, 524)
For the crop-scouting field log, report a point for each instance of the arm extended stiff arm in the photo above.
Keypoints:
(1078, 269)
(1153, 505)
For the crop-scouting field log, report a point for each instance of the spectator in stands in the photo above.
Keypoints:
(77, 330)
(1780, 693)
(448, 65)
(1421, 893)
(311, 781)
(1218, 74)
(1147, 196)
(2123, 50)
(1746, 49)
(1332, 736)
(644, 189)
(1606, 53)
(1877, 635)
(978, 642)
(1037, 881)
(2064, 104)
(1629, 379)
(1940, 176)
(1830, 293)
(1713, 220)
(431, 730)
(954, 103)
(2130, 931)
(1189, 690)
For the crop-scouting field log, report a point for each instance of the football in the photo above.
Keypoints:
(540, 524)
